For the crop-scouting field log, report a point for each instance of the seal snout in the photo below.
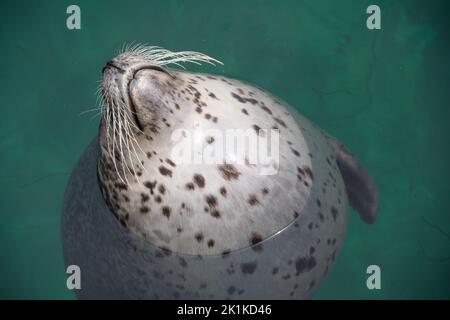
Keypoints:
(136, 85)
(112, 64)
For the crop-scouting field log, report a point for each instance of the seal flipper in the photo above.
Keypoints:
(361, 190)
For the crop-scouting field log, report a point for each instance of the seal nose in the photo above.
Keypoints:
(111, 64)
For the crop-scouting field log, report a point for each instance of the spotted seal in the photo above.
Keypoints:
(153, 226)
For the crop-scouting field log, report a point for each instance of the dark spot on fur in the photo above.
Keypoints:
(182, 262)
(303, 264)
(253, 200)
(199, 237)
(275, 270)
(211, 201)
(296, 152)
(231, 290)
(215, 214)
(255, 239)
(158, 199)
(238, 97)
(190, 186)
(150, 185)
(308, 172)
(144, 209)
(198, 109)
(165, 172)
(245, 111)
(166, 211)
(199, 180)
(162, 189)
(334, 213)
(280, 122)
(210, 243)
(321, 217)
(251, 100)
(225, 253)
(265, 191)
(171, 162)
(319, 204)
(121, 186)
(223, 191)
(209, 140)
(248, 268)
(144, 197)
(212, 95)
(229, 172)
(266, 109)
(258, 130)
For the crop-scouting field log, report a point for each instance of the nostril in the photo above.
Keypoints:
(111, 64)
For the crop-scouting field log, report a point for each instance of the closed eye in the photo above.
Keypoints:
(157, 68)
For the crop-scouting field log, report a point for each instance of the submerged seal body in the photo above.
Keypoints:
(153, 225)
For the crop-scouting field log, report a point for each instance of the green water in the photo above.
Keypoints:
(383, 92)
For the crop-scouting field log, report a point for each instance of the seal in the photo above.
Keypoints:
(291, 218)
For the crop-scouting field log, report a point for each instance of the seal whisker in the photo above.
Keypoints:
(122, 143)
(108, 128)
(127, 142)
(113, 113)
(124, 134)
(163, 57)
(95, 116)
(90, 110)
(134, 141)
(114, 143)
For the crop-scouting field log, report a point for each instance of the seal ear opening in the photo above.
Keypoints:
(361, 190)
